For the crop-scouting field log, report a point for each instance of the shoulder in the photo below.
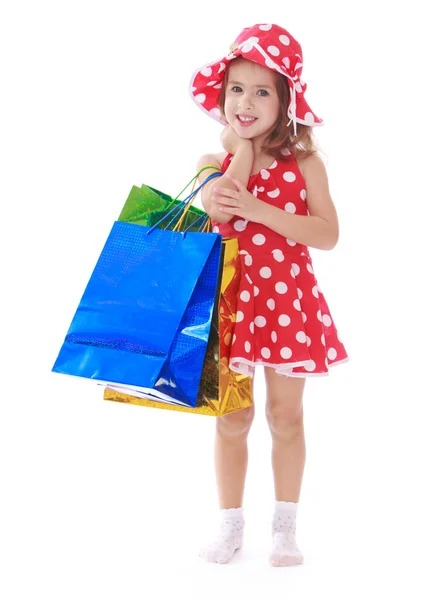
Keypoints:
(211, 159)
(312, 167)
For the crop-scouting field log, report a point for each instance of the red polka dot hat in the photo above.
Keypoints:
(270, 46)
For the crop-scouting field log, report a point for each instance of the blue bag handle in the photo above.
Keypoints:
(180, 207)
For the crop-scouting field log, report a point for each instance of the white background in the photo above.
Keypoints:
(102, 500)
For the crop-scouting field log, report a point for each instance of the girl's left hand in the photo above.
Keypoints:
(239, 202)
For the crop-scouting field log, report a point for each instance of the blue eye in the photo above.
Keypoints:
(264, 93)
(236, 87)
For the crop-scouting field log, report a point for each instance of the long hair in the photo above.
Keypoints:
(281, 139)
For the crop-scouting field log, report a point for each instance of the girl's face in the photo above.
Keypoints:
(251, 104)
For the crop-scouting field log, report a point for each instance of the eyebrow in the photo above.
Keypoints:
(258, 85)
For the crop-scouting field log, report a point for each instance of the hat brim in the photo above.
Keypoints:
(206, 82)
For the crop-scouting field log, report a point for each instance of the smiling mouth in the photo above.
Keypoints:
(244, 119)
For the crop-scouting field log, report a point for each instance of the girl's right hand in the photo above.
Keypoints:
(231, 141)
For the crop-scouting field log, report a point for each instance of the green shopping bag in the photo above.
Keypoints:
(146, 206)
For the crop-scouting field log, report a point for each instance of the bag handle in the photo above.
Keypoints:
(177, 227)
(187, 201)
(193, 180)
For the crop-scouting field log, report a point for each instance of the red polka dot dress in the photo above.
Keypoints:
(282, 318)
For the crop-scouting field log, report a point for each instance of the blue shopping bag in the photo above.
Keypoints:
(128, 328)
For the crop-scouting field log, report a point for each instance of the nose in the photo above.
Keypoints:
(245, 101)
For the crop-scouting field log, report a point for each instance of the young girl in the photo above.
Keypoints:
(274, 197)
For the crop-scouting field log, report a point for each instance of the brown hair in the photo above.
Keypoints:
(281, 136)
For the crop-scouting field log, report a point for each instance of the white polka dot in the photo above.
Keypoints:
(290, 207)
(240, 225)
(296, 268)
(301, 337)
(252, 326)
(265, 272)
(326, 320)
(248, 260)
(286, 61)
(271, 304)
(281, 287)
(260, 321)
(259, 239)
(273, 193)
(247, 346)
(249, 44)
(299, 293)
(296, 305)
(285, 352)
(315, 291)
(206, 71)
(284, 320)
(308, 341)
(265, 27)
(256, 291)
(200, 98)
(285, 152)
(310, 269)
(245, 296)
(248, 278)
(265, 352)
(212, 82)
(319, 315)
(216, 229)
(290, 242)
(332, 353)
(265, 174)
(278, 255)
(323, 339)
(269, 63)
(289, 176)
(284, 40)
(326, 362)
(303, 194)
(239, 316)
(273, 50)
(310, 366)
(304, 317)
(274, 165)
(233, 339)
(221, 67)
(309, 118)
(274, 337)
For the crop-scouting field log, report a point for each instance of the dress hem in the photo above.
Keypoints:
(286, 372)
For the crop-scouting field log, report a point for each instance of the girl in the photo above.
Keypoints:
(274, 197)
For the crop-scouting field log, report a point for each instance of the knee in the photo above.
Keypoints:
(284, 422)
(237, 423)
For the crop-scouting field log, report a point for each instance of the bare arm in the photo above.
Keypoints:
(321, 228)
(240, 167)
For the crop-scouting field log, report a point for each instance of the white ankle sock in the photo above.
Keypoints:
(284, 548)
(229, 539)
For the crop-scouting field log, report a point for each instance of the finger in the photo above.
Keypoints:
(227, 192)
(227, 201)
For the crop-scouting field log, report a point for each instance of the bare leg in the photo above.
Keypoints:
(231, 456)
(231, 460)
(284, 412)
